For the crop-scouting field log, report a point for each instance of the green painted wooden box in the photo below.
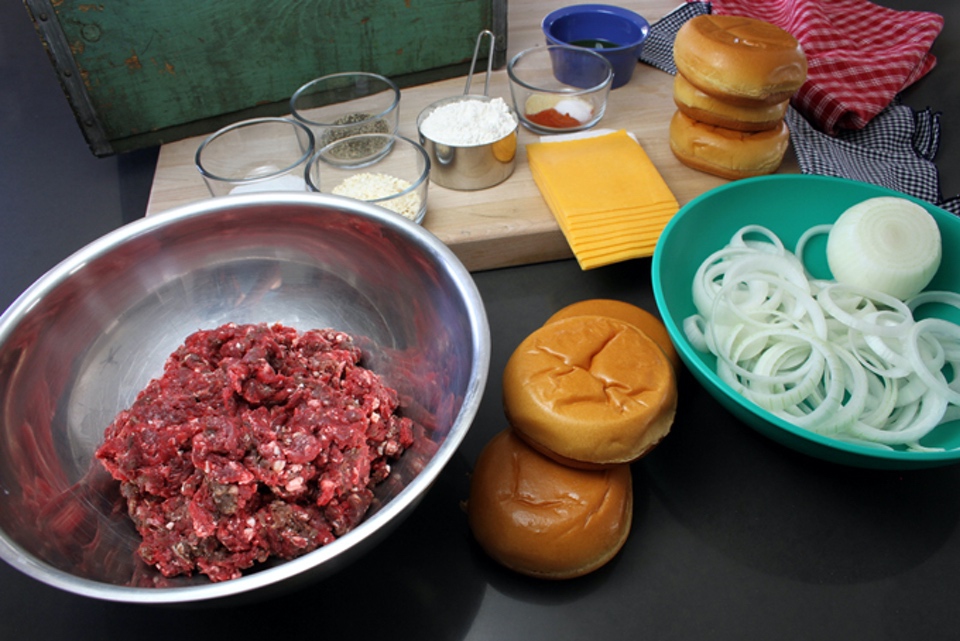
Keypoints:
(141, 73)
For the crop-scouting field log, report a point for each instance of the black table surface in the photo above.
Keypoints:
(735, 537)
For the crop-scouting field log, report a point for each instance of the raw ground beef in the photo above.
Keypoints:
(255, 442)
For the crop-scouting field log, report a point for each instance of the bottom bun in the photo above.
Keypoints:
(725, 152)
(543, 519)
(620, 310)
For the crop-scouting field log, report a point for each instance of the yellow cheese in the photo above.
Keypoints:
(609, 199)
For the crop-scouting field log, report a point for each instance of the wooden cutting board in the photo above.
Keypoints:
(508, 224)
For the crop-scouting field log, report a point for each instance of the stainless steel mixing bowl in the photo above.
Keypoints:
(78, 345)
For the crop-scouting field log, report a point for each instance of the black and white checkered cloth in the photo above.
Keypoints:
(895, 150)
(658, 48)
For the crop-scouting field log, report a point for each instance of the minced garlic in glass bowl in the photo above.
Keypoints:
(396, 179)
(388, 191)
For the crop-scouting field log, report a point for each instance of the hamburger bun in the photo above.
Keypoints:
(620, 310)
(543, 519)
(714, 111)
(590, 391)
(739, 59)
(725, 152)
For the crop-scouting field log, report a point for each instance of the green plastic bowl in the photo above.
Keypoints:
(786, 204)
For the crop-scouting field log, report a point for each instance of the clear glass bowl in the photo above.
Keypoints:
(559, 89)
(383, 169)
(345, 104)
(260, 154)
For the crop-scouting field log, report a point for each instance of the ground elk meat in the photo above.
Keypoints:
(255, 442)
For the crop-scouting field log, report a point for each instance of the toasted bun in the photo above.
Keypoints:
(620, 310)
(714, 111)
(543, 519)
(725, 152)
(740, 59)
(590, 390)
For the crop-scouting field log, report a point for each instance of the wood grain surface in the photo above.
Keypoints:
(508, 224)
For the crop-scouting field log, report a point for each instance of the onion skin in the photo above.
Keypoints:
(887, 244)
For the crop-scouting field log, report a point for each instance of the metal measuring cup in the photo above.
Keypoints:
(470, 167)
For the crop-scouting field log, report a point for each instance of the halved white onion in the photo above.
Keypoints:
(887, 244)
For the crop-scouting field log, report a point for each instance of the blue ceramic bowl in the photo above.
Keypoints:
(616, 33)
(787, 204)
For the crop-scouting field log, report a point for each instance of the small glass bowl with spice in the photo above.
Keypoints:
(342, 105)
(559, 88)
(394, 174)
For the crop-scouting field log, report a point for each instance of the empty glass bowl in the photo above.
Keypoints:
(260, 154)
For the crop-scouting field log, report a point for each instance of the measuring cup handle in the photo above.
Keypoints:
(473, 63)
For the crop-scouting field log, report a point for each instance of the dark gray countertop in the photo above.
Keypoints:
(735, 537)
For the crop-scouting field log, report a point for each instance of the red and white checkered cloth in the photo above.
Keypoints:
(859, 55)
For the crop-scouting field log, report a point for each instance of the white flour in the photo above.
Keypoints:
(469, 122)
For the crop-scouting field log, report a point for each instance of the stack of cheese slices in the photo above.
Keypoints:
(735, 77)
(609, 199)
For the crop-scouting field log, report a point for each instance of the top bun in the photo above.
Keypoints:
(590, 391)
(738, 59)
(621, 310)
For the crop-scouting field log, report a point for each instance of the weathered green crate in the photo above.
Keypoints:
(139, 73)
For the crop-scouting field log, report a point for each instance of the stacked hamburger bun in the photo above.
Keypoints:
(543, 519)
(584, 395)
(735, 77)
